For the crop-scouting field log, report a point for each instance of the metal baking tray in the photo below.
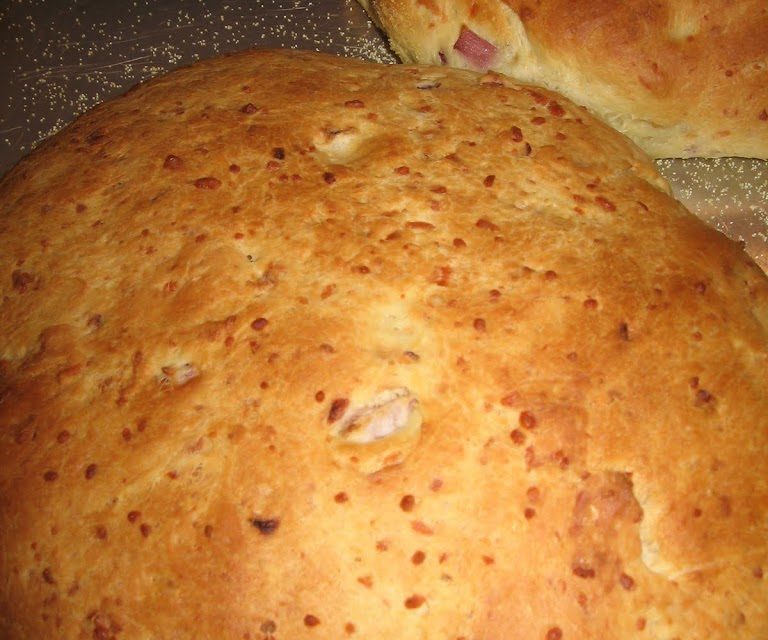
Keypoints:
(61, 57)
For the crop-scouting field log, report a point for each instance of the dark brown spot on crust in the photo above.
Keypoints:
(96, 321)
(441, 276)
(555, 109)
(311, 620)
(95, 137)
(482, 223)
(266, 527)
(414, 601)
(517, 436)
(208, 183)
(366, 581)
(627, 582)
(624, 331)
(21, 280)
(173, 162)
(338, 407)
(419, 224)
(605, 203)
(527, 420)
(420, 527)
(583, 571)
(526, 13)
(259, 323)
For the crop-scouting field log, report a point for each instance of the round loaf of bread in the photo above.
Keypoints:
(681, 78)
(295, 346)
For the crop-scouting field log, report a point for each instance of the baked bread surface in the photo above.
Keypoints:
(680, 77)
(295, 346)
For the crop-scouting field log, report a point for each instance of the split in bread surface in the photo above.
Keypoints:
(681, 78)
(296, 346)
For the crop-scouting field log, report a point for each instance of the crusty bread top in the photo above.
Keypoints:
(680, 77)
(302, 347)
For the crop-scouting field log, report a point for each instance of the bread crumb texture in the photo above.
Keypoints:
(296, 346)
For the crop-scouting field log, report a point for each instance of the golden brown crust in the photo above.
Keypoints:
(680, 77)
(216, 283)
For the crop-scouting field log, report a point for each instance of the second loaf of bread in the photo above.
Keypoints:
(681, 78)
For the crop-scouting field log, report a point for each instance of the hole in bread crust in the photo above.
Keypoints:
(388, 413)
(428, 83)
(377, 434)
(177, 376)
(338, 145)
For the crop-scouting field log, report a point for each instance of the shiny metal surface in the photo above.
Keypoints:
(61, 57)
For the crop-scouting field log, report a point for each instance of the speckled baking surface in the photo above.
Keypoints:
(61, 57)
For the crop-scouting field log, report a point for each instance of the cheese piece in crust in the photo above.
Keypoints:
(302, 347)
(680, 77)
